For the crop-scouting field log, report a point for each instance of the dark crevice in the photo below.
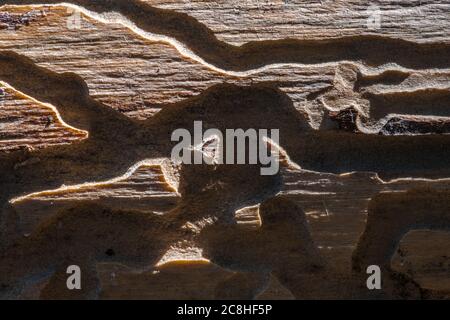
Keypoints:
(390, 217)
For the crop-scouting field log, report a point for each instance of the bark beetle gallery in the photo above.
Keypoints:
(94, 206)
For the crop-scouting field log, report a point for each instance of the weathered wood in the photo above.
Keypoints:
(139, 77)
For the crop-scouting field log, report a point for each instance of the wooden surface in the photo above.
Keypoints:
(139, 77)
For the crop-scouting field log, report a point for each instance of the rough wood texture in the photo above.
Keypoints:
(28, 124)
(352, 105)
(238, 22)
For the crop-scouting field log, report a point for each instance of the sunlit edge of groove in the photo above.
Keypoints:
(146, 162)
(376, 127)
(159, 161)
(46, 105)
(118, 18)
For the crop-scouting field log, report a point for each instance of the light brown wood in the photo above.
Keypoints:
(140, 77)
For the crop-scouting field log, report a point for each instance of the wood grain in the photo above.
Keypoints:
(139, 78)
